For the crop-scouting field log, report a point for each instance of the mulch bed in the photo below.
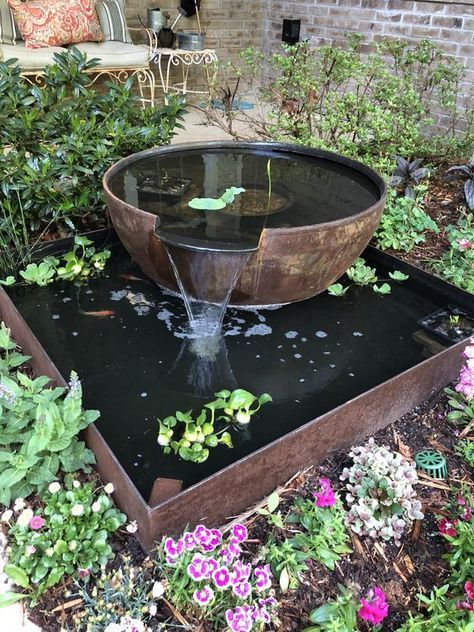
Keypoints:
(402, 572)
(444, 203)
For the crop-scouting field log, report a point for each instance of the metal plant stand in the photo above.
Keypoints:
(168, 58)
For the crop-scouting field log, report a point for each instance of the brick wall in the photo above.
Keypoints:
(229, 26)
(449, 23)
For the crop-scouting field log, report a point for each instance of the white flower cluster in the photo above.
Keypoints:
(380, 494)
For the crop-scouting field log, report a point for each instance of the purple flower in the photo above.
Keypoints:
(241, 571)
(221, 578)
(325, 497)
(226, 555)
(374, 609)
(239, 619)
(74, 384)
(201, 533)
(173, 549)
(189, 541)
(198, 568)
(242, 590)
(263, 577)
(261, 614)
(234, 547)
(239, 532)
(466, 383)
(36, 522)
(204, 595)
(208, 539)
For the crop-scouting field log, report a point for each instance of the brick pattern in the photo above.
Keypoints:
(448, 23)
(232, 26)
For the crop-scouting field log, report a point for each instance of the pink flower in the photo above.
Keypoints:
(241, 572)
(221, 578)
(445, 527)
(204, 595)
(36, 522)
(469, 588)
(464, 244)
(466, 383)
(198, 569)
(326, 497)
(83, 572)
(374, 609)
(30, 550)
(263, 577)
(242, 590)
(239, 532)
(173, 549)
(189, 541)
(239, 619)
(234, 548)
(469, 352)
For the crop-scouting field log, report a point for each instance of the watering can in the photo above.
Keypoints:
(156, 19)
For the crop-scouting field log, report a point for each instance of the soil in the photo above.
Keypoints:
(414, 567)
(444, 203)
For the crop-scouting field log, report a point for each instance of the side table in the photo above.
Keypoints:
(167, 58)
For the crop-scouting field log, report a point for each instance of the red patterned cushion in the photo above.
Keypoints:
(56, 22)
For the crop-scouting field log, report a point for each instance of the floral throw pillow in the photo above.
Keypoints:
(56, 22)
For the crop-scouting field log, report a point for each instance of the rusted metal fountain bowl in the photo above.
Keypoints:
(290, 263)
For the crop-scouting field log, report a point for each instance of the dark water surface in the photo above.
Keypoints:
(139, 364)
(325, 191)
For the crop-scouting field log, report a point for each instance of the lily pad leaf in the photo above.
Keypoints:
(382, 289)
(337, 289)
(207, 204)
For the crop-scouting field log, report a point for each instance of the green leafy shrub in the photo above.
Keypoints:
(441, 614)
(68, 535)
(320, 536)
(456, 264)
(373, 106)
(38, 428)
(59, 140)
(465, 449)
(382, 501)
(404, 222)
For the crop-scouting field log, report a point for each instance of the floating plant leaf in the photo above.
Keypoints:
(10, 280)
(382, 289)
(215, 204)
(207, 204)
(229, 194)
(337, 289)
(396, 275)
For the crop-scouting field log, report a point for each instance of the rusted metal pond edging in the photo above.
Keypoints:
(229, 491)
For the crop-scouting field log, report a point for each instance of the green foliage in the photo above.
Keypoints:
(465, 449)
(339, 615)
(271, 505)
(462, 411)
(460, 556)
(441, 614)
(38, 428)
(60, 140)
(404, 222)
(373, 106)
(199, 433)
(456, 264)
(216, 204)
(362, 274)
(320, 536)
(72, 534)
(82, 262)
(123, 592)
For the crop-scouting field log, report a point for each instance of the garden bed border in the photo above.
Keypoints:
(228, 492)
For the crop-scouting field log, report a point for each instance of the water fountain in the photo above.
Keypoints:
(300, 218)
(337, 368)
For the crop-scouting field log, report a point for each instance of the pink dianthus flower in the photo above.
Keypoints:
(325, 497)
(374, 609)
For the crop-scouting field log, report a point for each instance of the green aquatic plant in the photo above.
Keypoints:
(198, 434)
(216, 204)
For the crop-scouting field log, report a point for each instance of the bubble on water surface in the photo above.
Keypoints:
(258, 330)
(118, 295)
(357, 333)
(291, 334)
(321, 334)
(55, 316)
